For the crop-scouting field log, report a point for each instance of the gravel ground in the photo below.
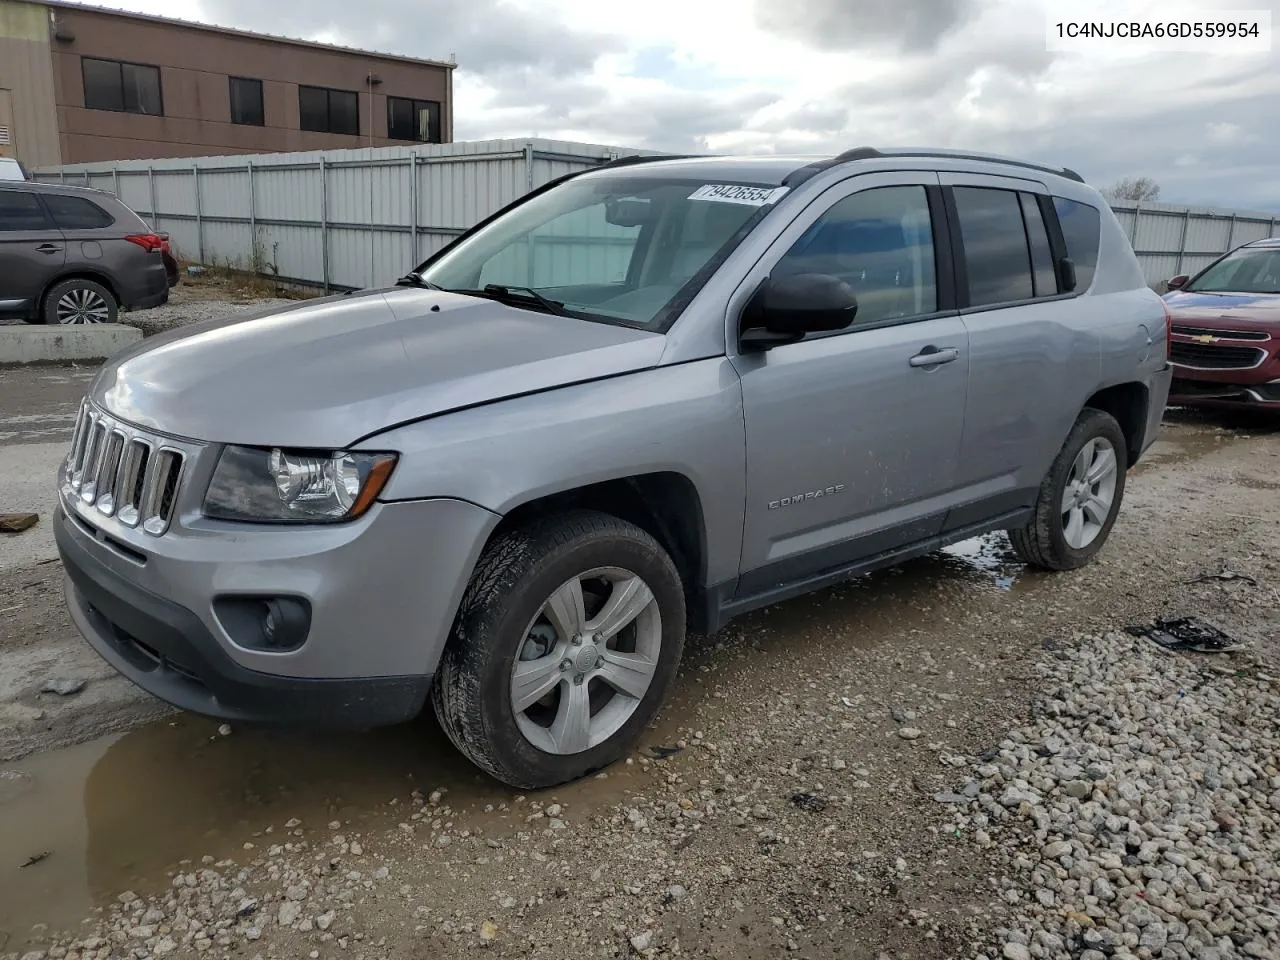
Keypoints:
(185, 308)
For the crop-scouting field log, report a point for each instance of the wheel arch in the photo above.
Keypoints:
(1128, 403)
(665, 504)
(79, 272)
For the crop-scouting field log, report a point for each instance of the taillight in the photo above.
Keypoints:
(1168, 332)
(147, 241)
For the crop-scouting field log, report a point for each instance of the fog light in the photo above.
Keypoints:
(274, 624)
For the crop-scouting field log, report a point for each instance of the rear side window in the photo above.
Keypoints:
(995, 246)
(1081, 226)
(1046, 282)
(77, 213)
(20, 210)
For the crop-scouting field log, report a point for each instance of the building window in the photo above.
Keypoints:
(126, 87)
(413, 120)
(246, 101)
(329, 111)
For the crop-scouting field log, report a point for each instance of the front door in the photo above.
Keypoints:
(31, 251)
(853, 437)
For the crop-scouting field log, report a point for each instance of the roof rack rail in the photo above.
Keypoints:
(871, 153)
(642, 158)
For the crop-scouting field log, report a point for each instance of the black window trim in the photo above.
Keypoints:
(1025, 197)
(944, 266)
(328, 106)
(84, 87)
(262, 100)
(1057, 246)
(413, 101)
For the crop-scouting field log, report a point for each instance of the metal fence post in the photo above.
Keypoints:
(62, 174)
(529, 239)
(1231, 233)
(151, 187)
(87, 181)
(1182, 241)
(413, 207)
(115, 181)
(1271, 228)
(253, 217)
(195, 179)
(1133, 229)
(324, 225)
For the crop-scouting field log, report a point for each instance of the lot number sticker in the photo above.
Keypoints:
(727, 193)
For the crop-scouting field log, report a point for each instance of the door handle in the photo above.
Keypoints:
(934, 356)
(47, 248)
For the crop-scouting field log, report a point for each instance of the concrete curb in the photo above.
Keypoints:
(62, 344)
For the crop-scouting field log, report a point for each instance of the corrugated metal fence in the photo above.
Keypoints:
(356, 218)
(339, 219)
(1170, 239)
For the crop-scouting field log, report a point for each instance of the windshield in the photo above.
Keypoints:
(1251, 270)
(618, 249)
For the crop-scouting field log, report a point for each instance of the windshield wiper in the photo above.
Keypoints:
(511, 295)
(414, 280)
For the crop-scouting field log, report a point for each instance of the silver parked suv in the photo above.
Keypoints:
(646, 397)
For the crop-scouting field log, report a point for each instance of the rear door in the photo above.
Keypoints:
(1028, 356)
(32, 251)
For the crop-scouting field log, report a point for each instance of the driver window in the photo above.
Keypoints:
(577, 248)
(880, 242)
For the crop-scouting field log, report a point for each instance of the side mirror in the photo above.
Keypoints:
(1178, 282)
(783, 310)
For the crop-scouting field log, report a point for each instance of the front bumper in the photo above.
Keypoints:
(382, 600)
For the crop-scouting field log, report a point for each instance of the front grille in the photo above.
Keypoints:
(121, 470)
(1222, 334)
(1205, 356)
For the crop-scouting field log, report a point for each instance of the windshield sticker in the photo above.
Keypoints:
(727, 193)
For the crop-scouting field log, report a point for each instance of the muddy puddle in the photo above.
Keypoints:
(120, 813)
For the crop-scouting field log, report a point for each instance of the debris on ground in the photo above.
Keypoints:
(64, 686)
(1186, 634)
(35, 858)
(17, 522)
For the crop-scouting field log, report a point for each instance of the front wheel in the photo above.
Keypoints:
(564, 647)
(1079, 498)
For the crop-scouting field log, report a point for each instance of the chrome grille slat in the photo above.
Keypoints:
(159, 490)
(109, 474)
(121, 470)
(93, 460)
(132, 475)
(1190, 331)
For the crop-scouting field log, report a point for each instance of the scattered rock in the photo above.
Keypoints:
(910, 733)
(642, 941)
(64, 686)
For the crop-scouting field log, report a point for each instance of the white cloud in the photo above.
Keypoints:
(816, 76)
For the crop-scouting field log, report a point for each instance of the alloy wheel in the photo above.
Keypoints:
(586, 661)
(82, 305)
(1089, 494)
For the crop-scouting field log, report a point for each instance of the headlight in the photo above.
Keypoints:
(253, 484)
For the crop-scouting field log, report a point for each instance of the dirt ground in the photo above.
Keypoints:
(785, 804)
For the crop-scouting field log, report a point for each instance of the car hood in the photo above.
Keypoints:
(1227, 308)
(325, 373)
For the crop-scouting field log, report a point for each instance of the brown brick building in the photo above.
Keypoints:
(80, 83)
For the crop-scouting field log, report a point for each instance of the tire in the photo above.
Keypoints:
(77, 301)
(508, 618)
(1047, 542)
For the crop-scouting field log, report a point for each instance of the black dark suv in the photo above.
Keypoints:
(73, 255)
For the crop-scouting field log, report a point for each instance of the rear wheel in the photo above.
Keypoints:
(78, 301)
(564, 647)
(1079, 498)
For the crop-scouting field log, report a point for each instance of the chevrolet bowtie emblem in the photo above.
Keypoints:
(1205, 338)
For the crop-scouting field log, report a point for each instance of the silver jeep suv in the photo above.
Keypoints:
(642, 399)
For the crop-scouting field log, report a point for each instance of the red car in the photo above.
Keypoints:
(1225, 330)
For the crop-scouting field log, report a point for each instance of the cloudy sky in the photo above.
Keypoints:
(816, 76)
